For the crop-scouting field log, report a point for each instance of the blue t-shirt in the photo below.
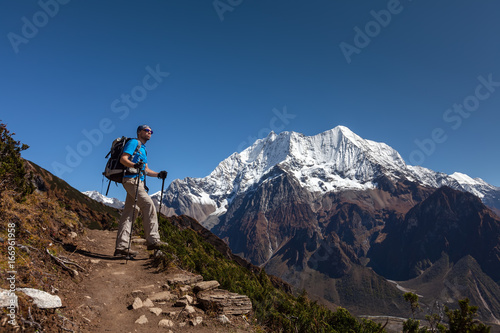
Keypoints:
(130, 148)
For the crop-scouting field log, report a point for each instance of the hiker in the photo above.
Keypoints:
(138, 160)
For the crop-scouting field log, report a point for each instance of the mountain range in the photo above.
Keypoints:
(111, 202)
(343, 217)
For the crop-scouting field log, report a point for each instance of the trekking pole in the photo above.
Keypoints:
(161, 196)
(128, 256)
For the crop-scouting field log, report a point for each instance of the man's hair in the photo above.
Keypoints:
(140, 128)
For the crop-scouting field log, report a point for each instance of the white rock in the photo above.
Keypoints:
(137, 303)
(161, 296)
(166, 323)
(142, 320)
(148, 303)
(189, 309)
(223, 319)
(156, 311)
(196, 321)
(188, 298)
(42, 299)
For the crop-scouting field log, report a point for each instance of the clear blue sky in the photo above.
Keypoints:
(210, 77)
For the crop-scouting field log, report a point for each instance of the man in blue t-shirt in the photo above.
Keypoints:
(135, 158)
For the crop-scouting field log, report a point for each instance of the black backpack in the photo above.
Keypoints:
(114, 170)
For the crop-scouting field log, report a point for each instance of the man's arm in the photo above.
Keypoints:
(126, 161)
(150, 172)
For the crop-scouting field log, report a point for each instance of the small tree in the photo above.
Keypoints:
(12, 171)
(462, 319)
(412, 325)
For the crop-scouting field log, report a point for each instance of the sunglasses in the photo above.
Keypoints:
(148, 130)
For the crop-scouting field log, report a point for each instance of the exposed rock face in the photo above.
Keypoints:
(449, 221)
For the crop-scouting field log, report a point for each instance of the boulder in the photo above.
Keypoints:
(42, 299)
(224, 302)
(205, 285)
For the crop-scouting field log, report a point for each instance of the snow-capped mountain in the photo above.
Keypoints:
(332, 161)
(112, 202)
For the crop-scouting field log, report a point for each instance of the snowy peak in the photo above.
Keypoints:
(112, 202)
(332, 161)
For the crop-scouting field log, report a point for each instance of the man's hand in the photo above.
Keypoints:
(162, 174)
(139, 165)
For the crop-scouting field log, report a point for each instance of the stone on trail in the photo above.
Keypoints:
(156, 311)
(148, 303)
(137, 303)
(142, 320)
(166, 323)
(42, 299)
(205, 285)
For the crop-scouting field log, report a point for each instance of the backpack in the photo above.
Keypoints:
(114, 170)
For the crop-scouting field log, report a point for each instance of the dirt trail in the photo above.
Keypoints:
(101, 301)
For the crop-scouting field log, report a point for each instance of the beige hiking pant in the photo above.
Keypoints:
(149, 218)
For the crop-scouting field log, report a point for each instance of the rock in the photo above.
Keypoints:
(42, 299)
(137, 293)
(73, 235)
(137, 303)
(95, 261)
(223, 319)
(189, 309)
(181, 302)
(156, 311)
(162, 296)
(205, 285)
(148, 303)
(196, 321)
(183, 278)
(7, 298)
(185, 289)
(142, 320)
(224, 302)
(188, 298)
(150, 286)
(166, 323)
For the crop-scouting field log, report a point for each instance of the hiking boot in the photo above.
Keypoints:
(157, 245)
(125, 252)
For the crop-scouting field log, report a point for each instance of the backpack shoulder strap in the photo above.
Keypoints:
(139, 144)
